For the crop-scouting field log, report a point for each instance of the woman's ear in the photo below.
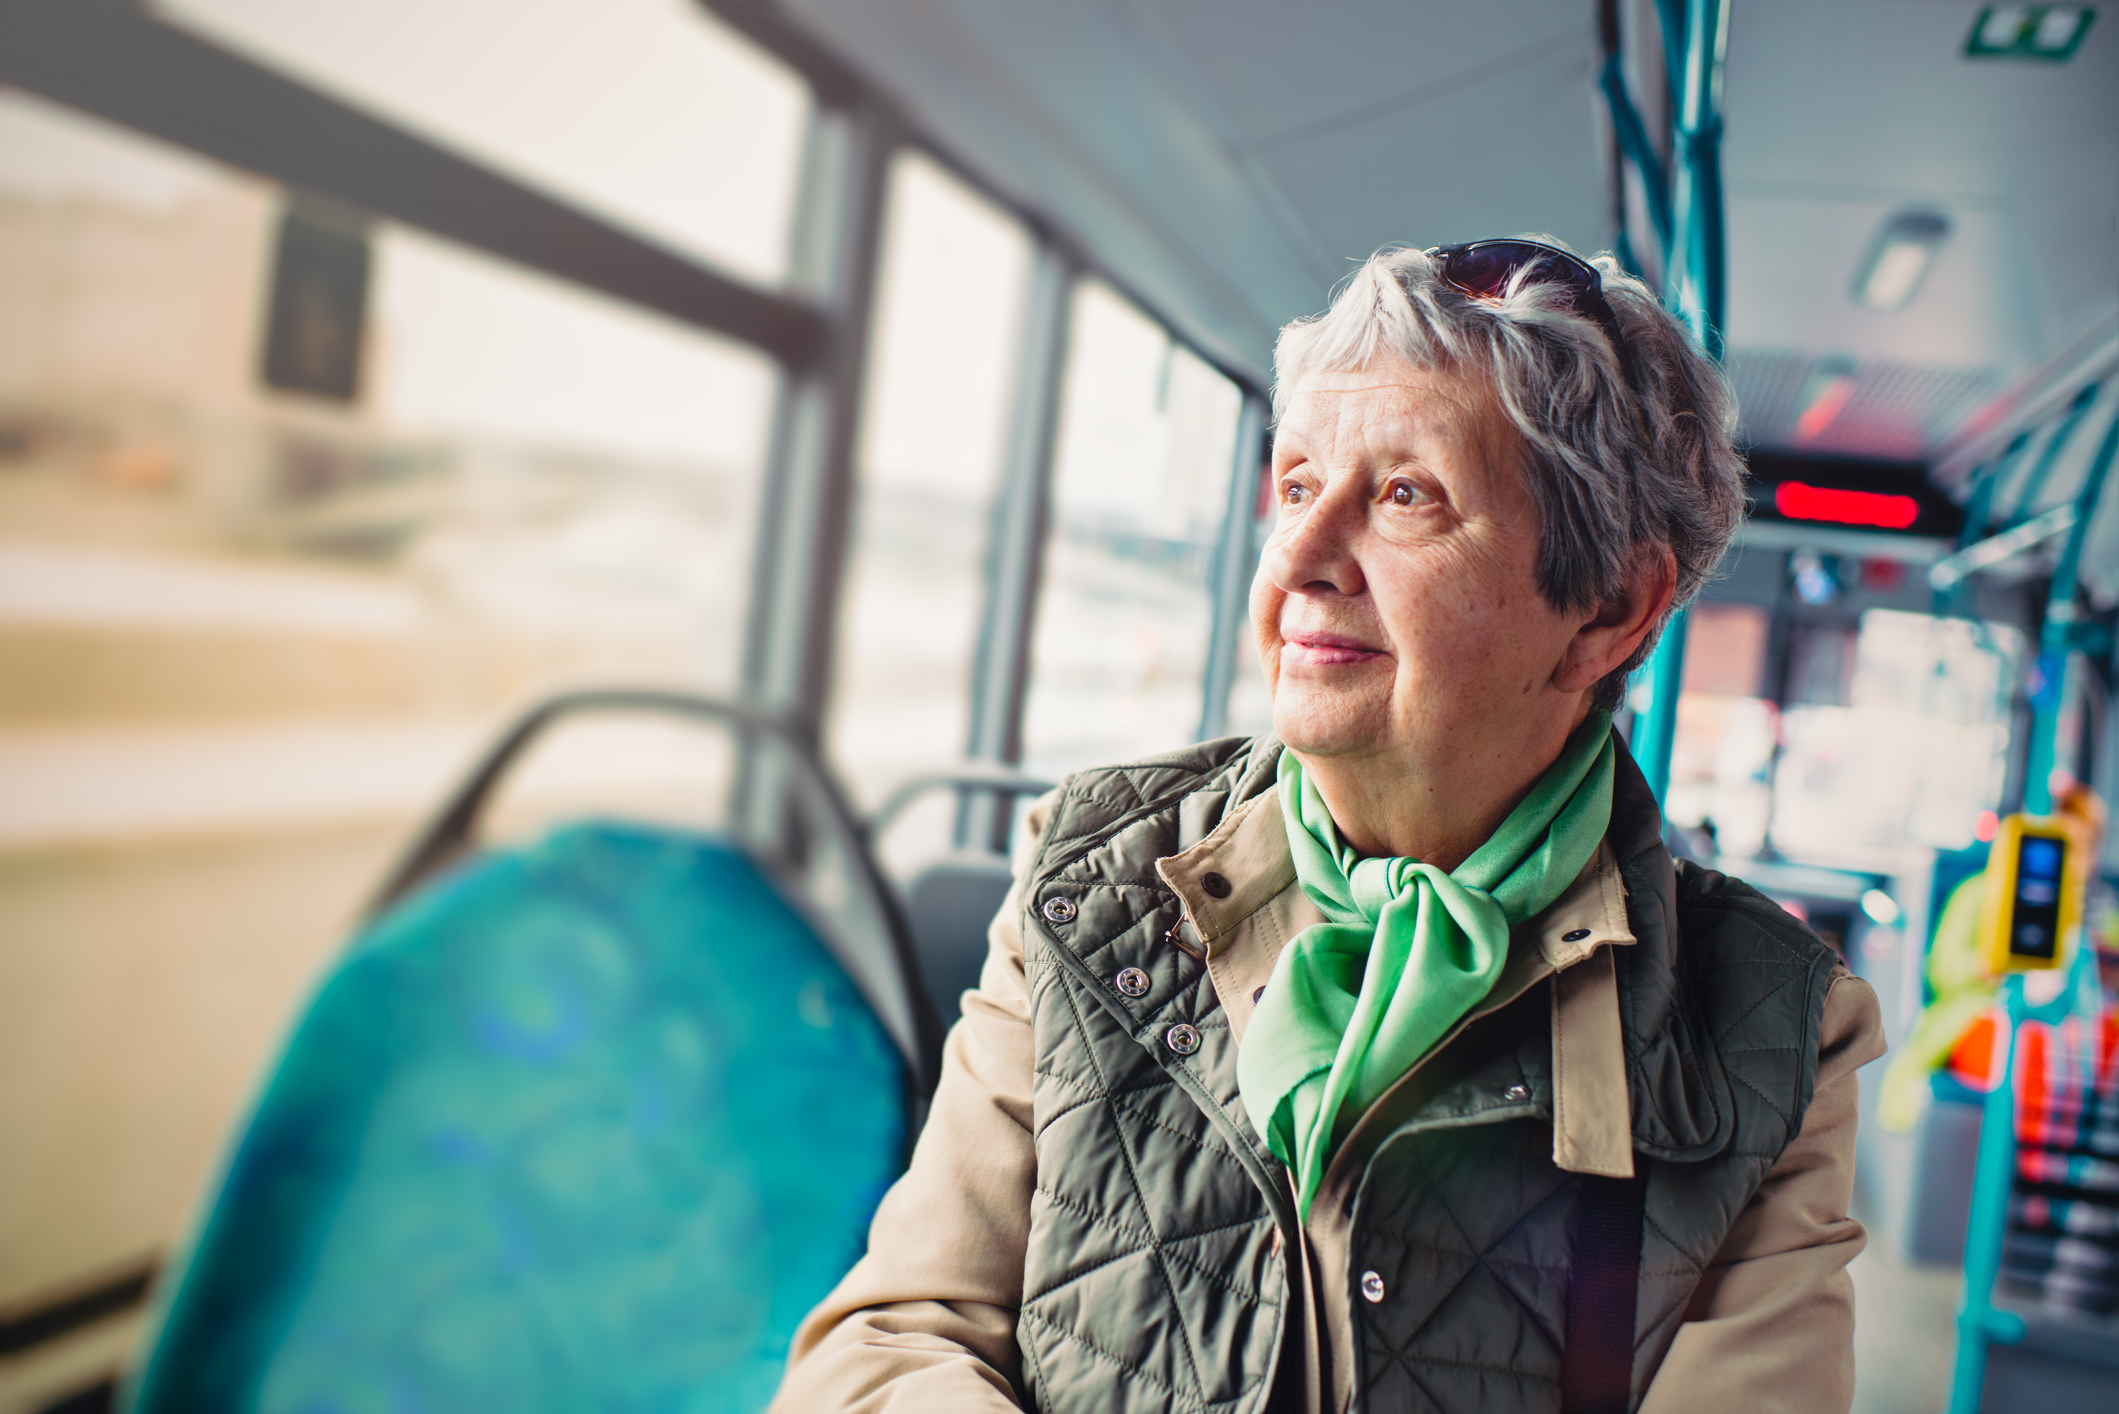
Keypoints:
(1610, 636)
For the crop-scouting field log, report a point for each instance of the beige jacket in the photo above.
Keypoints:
(925, 1323)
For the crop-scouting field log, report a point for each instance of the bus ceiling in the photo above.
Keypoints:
(1908, 242)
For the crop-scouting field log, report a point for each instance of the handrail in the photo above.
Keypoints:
(1947, 573)
(972, 776)
(1693, 282)
(1634, 143)
(2057, 636)
(2057, 443)
(2029, 402)
(451, 835)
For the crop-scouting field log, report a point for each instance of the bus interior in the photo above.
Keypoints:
(801, 431)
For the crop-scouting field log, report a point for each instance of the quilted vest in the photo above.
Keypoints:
(1157, 1276)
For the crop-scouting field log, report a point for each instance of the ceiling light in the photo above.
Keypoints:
(1898, 259)
(2051, 33)
(1826, 393)
(1880, 906)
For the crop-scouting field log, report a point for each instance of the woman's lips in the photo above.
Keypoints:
(1325, 650)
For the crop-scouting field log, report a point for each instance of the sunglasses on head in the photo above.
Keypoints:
(1483, 269)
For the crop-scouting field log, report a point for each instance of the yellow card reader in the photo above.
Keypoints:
(2037, 877)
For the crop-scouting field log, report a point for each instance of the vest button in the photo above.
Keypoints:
(1132, 981)
(1216, 886)
(1182, 1038)
(1059, 910)
(1575, 937)
(1516, 1092)
(1371, 1287)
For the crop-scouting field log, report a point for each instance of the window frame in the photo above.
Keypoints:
(119, 63)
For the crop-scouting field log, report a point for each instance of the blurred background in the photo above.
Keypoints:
(370, 372)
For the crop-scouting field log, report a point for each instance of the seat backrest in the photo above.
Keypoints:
(584, 1125)
(948, 908)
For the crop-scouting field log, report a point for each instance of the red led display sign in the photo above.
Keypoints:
(1800, 501)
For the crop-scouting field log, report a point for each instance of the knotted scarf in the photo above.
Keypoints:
(1405, 951)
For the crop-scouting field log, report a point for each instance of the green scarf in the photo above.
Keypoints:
(1404, 953)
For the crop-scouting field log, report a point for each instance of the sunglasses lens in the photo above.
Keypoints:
(1485, 269)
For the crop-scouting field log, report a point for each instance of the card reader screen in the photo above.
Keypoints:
(2034, 927)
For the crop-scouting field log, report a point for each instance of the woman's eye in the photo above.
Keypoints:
(1293, 493)
(1403, 493)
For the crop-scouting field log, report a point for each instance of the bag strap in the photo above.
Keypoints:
(1603, 1287)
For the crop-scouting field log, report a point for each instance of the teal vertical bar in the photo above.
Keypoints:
(1979, 1324)
(2056, 640)
(1695, 285)
(2048, 695)
(1656, 721)
(1993, 1176)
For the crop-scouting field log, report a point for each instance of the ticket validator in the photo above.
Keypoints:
(2037, 876)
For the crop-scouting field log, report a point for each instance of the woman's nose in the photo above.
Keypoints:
(1314, 552)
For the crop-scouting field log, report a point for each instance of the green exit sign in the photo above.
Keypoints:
(2048, 33)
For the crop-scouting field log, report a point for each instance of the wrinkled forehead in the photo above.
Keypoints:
(1391, 400)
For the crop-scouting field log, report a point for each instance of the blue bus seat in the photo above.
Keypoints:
(948, 907)
(582, 1125)
(950, 903)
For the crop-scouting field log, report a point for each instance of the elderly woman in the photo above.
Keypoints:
(1389, 1062)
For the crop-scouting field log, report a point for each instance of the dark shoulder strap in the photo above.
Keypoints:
(1603, 1286)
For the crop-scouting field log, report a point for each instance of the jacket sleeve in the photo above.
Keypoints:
(925, 1322)
(1771, 1326)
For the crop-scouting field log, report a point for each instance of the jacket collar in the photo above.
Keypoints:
(1247, 855)
(1243, 869)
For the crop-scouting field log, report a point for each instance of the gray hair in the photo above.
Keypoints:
(1627, 451)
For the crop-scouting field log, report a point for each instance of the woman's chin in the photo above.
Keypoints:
(1326, 723)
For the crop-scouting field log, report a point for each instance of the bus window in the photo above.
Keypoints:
(940, 377)
(602, 465)
(249, 637)
(1915, 749)
(1723, 756)
(1140, 488)
(651, 111)
(1250, 699)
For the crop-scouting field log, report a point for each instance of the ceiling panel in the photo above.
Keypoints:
(1431, 172)
(1895, 411)
(1842, 112)
(1052, 107)
(1796, 258)
(1180, 143)
(1273, 70)
(1227, 159)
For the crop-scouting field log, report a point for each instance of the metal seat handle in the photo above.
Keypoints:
(998, 779)
(452, 833)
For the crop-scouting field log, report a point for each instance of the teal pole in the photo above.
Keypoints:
(1656, 722)
(2056, 639)
(2052, 669)
(1979, 1323)
(1695, 284)
(2042, 469)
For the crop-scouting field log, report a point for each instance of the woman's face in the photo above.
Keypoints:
(1396, 604)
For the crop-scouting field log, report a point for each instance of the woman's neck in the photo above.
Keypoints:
(1437, 805)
